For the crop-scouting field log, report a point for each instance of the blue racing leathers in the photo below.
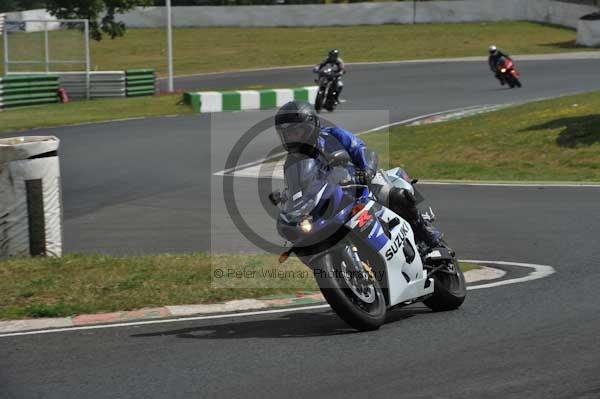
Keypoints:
(401, 201)
(335, 138)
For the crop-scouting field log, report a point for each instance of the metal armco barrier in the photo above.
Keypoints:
(102, 84)
(140, 82)
(25, 89)
(2, 19)
(21, 90)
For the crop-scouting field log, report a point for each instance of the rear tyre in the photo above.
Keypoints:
(363, 309)
(450, 289)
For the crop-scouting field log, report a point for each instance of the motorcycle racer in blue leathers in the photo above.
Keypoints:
(300, 131)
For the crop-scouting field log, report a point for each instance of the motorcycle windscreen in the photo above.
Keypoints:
(329, 69)
(305, 180)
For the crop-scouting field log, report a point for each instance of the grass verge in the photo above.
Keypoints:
(550, 140)
(225, 49)
(91, 111)
(107, 109)
(79, 284)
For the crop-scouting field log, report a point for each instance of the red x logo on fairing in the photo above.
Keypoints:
(363, 218)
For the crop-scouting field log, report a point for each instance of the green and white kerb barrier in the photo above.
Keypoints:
(240, 100)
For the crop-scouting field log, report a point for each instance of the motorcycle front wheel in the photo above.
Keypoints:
(319, 100)
(330, 102)
(362, 306)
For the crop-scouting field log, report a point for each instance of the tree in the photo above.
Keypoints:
(19, 5)
(101, 13)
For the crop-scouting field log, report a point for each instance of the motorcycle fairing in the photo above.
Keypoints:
(406, 278)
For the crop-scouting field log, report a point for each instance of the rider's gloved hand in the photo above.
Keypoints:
(364, 176)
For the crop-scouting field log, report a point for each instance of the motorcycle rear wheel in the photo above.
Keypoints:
(450, 290)
(518, 83)
(344, 300)
(511, 82)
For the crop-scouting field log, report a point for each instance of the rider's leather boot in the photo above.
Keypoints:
(403, 202)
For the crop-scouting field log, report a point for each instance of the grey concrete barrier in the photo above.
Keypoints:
(588, 33)
(282, 15)
(567, 14)
(406, 12)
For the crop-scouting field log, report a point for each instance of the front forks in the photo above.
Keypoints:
(352, 260)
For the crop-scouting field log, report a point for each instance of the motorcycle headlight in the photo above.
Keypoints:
(503, 70)
(306, 226)
(302, 212)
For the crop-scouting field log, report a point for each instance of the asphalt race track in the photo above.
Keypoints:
(144, 186)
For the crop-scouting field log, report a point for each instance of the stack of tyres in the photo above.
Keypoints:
(140, 82)
(22, 90)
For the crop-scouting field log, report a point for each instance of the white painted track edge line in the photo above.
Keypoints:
(585, 55)
(434, 182)
(540, 271)
(165, 321)
(402, 122)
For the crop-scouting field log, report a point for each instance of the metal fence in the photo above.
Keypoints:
(47, 46)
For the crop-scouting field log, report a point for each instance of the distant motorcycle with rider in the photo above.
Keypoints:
(504, 68)
(329, 81)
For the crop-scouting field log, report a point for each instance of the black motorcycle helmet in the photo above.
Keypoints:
(298, 127)
(334, 54)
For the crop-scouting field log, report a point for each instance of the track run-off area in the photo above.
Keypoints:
(149, 186)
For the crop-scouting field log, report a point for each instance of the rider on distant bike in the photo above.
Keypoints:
(333, 57)
(300, 131)
(493, 60)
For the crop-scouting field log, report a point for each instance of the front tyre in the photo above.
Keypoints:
(450, 288)
(319, 100)
(358, 302)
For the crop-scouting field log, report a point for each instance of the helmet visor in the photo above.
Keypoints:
(294, 134)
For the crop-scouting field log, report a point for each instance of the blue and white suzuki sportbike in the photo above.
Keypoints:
(363, 255)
